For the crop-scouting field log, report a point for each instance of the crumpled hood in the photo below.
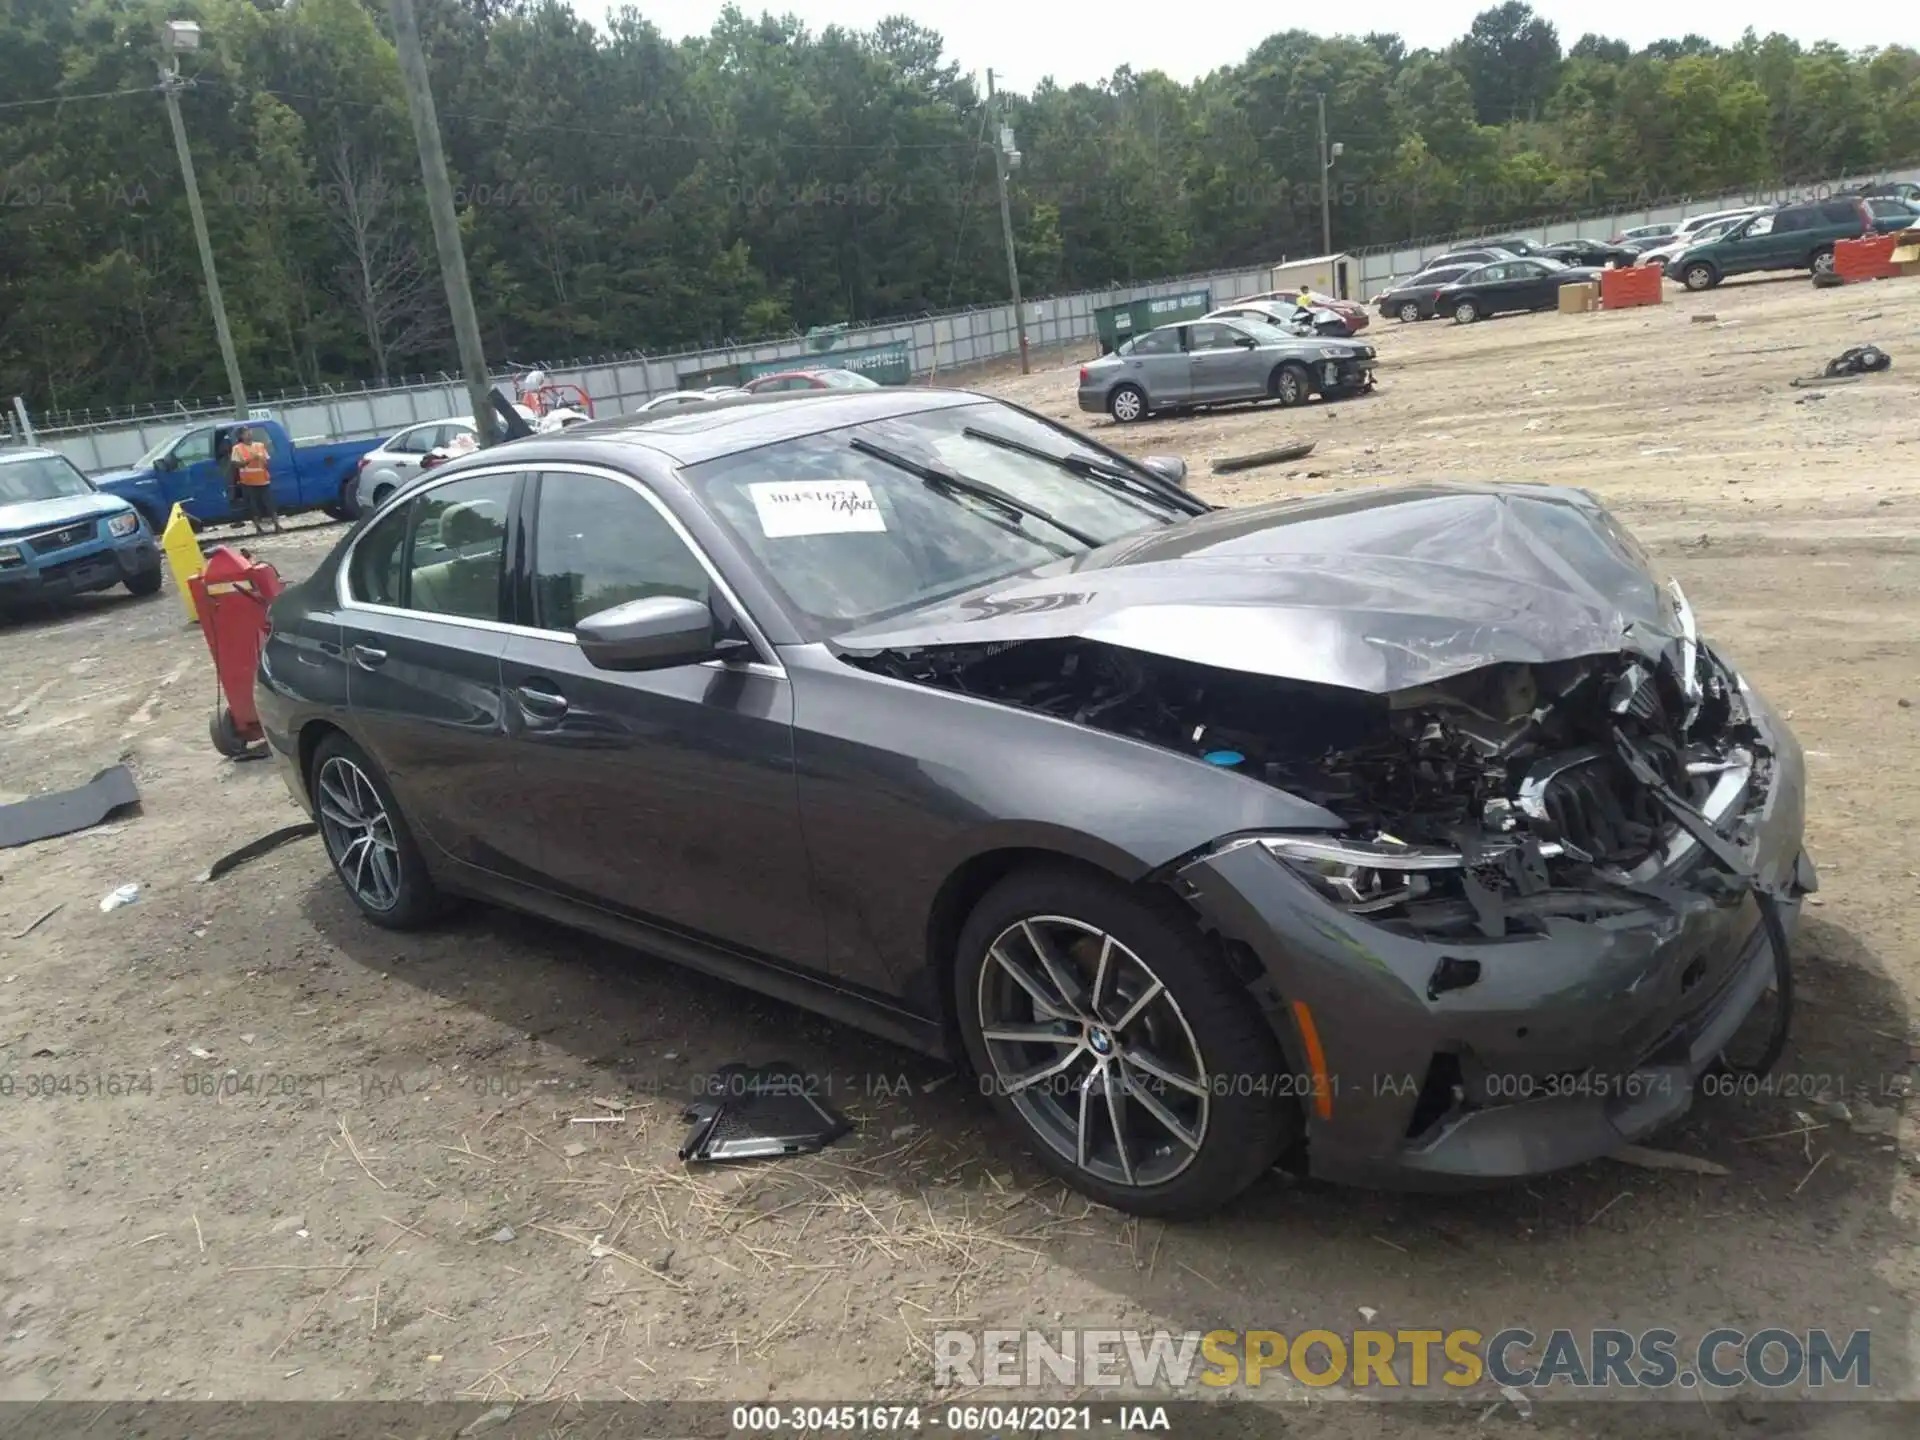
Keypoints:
(1377, 590)
(32, 515)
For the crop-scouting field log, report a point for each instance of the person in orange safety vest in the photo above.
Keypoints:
(247, 462)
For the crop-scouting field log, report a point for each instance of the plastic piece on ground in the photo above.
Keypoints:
(124, 895)
(760, 1112)
(1223, 757)
(45, 816)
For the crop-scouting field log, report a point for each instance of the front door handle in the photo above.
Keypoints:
(367, 657)
(541, 702)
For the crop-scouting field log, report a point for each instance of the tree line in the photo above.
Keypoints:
(619, 191)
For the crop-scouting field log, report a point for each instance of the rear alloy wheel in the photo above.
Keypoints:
(1409, 311)
(1291, 385)
(1465, 313)
(1104, 1029)
(1700, 276)
(1823, 260)
(1127, 404)
(367, 839)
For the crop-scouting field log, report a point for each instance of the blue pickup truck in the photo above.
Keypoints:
(190, 467)
(60, 536)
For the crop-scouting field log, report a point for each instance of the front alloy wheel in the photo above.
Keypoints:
(1103, 1025)
(1089, 1046)
(1409, 311)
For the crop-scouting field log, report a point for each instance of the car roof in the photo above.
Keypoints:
(724, 425)
(28, 452)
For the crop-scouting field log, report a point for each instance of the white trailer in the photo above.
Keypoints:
(1333, 275)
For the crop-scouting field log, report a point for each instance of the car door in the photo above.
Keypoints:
(423, 623)
(1535, 286)
(1157, 362)
(1221, 366)
(668, 795)
(198, 477)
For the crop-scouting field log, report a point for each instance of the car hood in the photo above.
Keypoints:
(1376, 591)
(64, 510)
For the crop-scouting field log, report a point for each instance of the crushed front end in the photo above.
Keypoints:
(1544, 921)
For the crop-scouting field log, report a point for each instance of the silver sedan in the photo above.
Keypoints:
(397, 459)
(1213, 362)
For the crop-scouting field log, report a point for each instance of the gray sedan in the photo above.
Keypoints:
(1214, 362)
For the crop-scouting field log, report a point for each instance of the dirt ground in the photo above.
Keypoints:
(288, 1155)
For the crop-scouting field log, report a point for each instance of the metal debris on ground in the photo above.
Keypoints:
(1859, 360)
(1295, 451)
(1648, 1159)
(45, 816)
(759, 1113)
(254, 849)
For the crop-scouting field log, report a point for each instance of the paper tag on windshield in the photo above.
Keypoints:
(815, 507)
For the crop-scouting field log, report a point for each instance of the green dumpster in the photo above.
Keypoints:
(883, 364)
(1117, 324)
(703, 379)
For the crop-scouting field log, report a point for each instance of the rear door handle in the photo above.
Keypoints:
(367, 657)
(539, 701)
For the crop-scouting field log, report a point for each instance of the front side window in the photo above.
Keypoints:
(849, 538)
(1762, 225)
(194, 446)
(597, 544)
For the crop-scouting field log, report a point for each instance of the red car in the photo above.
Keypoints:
(809, 380)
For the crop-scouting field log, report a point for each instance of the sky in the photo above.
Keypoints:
(1024, 41)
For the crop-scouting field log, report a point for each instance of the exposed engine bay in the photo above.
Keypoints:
(1484, 804)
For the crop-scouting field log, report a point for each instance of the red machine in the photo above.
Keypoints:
(231, 597)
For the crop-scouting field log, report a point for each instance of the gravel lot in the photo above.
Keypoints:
(331, 1162)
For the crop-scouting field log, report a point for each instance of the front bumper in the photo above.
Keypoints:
(1569, 1044)
(79, 569)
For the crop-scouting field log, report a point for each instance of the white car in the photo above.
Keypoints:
(397, 460)
(1693, 230)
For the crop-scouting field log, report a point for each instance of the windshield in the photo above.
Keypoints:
(848, 537)
(847, 380)
(40, 477)
(146, 461)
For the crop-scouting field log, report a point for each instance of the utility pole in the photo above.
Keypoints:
(1003, 155)
(446, 224)
(1326, 188)
(177, 38)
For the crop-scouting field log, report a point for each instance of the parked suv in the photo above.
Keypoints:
(1788, 237)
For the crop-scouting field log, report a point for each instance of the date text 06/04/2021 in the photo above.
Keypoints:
(974, 1419)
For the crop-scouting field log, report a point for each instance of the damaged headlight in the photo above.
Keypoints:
(1361, 876)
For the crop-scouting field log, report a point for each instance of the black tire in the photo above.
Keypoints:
(144, 582)
(1700, 275)
(1410, 312)
(1290, 385)
(1466, 312)
(414, 900)
(1200, 1023)
(1127, 404)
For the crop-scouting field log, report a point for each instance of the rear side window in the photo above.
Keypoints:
(1156, 342)
(443, 553)
(377, 574)
(456, 553)
(597, 544)
(1840, 212)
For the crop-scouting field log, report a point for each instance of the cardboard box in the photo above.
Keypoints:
(1578, 298)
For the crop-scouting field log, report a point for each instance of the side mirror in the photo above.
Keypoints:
(656, 633)
(166, 463)
(1247, 342)
(1168, 467)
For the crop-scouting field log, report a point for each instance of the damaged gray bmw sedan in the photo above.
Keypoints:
(1409, 836)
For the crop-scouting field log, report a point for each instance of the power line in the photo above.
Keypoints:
(64, 99)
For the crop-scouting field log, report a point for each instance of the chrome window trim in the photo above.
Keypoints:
(772, 669)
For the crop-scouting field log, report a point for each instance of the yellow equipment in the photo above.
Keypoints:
(183, 558)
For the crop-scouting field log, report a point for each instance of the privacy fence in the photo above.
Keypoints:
(924, 347)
